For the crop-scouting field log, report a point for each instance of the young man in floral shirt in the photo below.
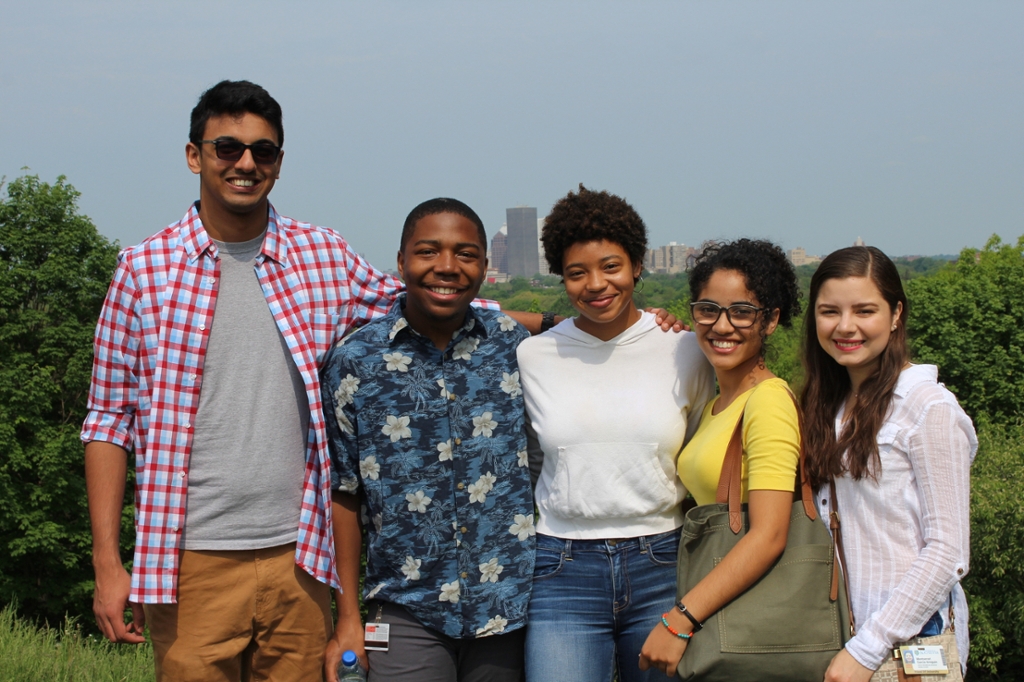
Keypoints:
(425, 429)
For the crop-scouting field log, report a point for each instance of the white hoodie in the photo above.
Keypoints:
(607, 422)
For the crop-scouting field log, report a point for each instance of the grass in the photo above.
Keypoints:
(29, 654)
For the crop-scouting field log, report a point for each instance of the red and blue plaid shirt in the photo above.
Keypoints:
(148, 368)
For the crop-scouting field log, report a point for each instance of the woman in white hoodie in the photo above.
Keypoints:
(611, 401)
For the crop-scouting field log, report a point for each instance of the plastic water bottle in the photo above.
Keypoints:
(349, 669)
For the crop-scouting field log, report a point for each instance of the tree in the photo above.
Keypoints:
(968, 319)
(54, 271)
(995, 584)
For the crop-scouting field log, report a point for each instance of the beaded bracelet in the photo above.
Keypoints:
(680, 635)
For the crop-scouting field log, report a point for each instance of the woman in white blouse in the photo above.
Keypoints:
(899, 448)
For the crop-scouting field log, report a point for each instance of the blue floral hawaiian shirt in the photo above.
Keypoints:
(434, 442)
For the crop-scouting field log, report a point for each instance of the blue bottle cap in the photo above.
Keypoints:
(349, 658)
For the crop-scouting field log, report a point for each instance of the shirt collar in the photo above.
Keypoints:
(399, 326)
(197, 241)
(914, 375)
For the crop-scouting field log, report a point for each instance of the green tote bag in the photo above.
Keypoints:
(790, 623)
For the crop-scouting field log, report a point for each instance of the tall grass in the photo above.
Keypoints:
(33, 654)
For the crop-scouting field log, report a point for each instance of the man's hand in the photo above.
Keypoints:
(109, 601)
(667, 320)
(106, 466)
(345, 637)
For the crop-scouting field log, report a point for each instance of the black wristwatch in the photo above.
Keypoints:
(697, 625)
(547, 321)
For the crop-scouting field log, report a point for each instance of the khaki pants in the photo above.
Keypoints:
(241, 615)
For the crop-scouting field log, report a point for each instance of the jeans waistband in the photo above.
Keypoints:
(609, 545)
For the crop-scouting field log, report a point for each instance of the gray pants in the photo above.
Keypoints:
(419, 654)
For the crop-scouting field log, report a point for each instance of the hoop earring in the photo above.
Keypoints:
(639, 281)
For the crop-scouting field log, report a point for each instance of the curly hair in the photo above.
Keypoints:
(764, 266)
(588, 216)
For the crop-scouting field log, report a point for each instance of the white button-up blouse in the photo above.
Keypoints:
(907, 531)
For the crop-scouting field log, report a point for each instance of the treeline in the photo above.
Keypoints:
(966, 316)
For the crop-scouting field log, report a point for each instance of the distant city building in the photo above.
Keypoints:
(798, 256)
(498, 256)
(670, 259)
(542, 264)
(522, 245)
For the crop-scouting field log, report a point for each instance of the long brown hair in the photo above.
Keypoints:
(827, 383)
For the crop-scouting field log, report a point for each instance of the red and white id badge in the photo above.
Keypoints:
(376, 636)
(924, 660)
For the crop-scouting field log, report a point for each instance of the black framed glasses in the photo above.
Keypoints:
(740, 315)
(230, 149)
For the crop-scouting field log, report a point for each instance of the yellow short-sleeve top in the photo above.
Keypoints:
(771, 443)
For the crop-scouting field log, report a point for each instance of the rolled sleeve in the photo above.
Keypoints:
(114, 391)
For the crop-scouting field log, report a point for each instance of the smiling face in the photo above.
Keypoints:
(854, 323)
(443, 264)
(233, 192)
(599, 280)
(727, 348)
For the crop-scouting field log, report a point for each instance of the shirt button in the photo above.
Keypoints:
(464, 574)
(824, 501)
(174, 529)
(211, 280)
(458, 441)
(181, 474)
(464, 529)
(192, 377)
(461, 486)
(202, 327)
(959, 571)
(188, 425)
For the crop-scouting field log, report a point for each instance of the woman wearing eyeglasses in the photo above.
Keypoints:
(611, 399)
(741, 292)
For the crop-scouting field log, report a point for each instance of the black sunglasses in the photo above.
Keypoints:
(229, 149)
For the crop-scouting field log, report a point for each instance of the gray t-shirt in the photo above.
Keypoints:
(248, 449)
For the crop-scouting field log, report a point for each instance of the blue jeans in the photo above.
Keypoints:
(594, 603)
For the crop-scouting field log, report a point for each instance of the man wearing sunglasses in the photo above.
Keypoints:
(206, 366)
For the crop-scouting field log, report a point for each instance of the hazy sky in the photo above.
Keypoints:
(810, 123)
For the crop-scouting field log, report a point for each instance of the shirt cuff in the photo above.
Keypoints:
(868, 650)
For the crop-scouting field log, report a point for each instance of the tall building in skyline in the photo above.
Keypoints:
(542, 262)
(522, 246)
(499, 252)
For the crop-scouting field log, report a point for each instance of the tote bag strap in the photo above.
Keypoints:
(837, 547)
(729, 479)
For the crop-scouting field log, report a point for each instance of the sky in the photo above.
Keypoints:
(808, 123)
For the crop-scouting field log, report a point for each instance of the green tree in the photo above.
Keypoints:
(968, 319)
(995, 584)
(54, 270)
